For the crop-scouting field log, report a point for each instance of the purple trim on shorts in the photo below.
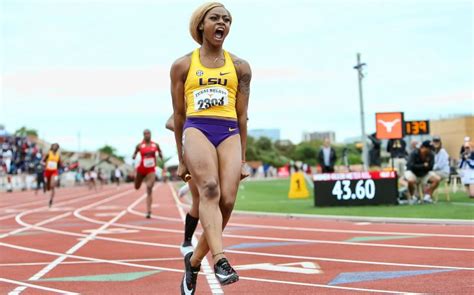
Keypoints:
(216, 130)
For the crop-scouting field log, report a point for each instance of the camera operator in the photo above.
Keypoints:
(467, 168)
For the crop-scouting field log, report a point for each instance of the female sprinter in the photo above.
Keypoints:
(210, 90)
(146, 169)
(52, 162)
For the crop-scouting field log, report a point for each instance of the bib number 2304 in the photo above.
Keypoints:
(210, 97)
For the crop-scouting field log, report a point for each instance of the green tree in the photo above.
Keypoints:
(251, 153)
(264, 143)
(107, 149)
(161, 163)
(111, 151)
(264, 150)
(285, 149)
(306, 152)
(24, 131)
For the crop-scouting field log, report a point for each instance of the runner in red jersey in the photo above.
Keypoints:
(146, 169)
(52, 162)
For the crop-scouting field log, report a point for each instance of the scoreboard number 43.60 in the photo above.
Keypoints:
(364, 189)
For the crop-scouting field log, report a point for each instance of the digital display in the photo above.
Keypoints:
(417, 127)
(355, 188)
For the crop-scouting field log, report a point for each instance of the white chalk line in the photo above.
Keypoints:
(77, 246)
(37, 287)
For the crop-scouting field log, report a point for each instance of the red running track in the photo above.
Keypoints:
(100, 243)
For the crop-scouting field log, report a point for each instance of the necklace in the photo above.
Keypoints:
(216, 59)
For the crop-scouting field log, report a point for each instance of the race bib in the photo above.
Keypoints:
(149, 162)
(208, 97)
(52, 165)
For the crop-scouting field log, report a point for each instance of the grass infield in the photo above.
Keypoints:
(272, 196)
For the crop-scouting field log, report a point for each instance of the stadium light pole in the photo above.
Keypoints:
(365, 157)
(79, 141)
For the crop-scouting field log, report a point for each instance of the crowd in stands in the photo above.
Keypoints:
(19, 155)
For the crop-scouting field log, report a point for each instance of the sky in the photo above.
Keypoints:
(86, 73)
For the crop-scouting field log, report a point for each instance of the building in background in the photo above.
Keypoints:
(283, 142)
(273, 134)
(452, 132)
(352, 139)
(309, 136)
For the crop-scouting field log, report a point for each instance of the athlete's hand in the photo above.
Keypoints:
(243, 171)
(183, 172)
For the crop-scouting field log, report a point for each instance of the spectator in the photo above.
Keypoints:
(374, 153)
(79, 175)
(39, 169)
(419, 170)
(100, 178)
(441, 162)
(398, 154)
(414, 144)
(467, 139)
(7, 156)
(327, 157)
(118, 175)
(92, 177)
(467, 168)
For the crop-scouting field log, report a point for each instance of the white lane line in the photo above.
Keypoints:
(36, 287)
(77, 246)
(69, 196)
(22, 229)
(74, 248)
(30, 226)
(287, 228)
(312, 229)
(206, 267)
(349, 243)
(363, 223)
(11, 210)
(34, 250)
(290, 239)
(110, 207)
(137, 213)
(41, 202)
(113, 197)
(309, 240)
(349, 218)
(253, 253)
(249, 253)
(90, 262)
(326, 286)
(349, 260)
(67, 233)
(7, 216)
(168, 269)
(108, 214)
(131, 210)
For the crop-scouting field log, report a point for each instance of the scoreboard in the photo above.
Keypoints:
(355, 188)
(417, 127)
